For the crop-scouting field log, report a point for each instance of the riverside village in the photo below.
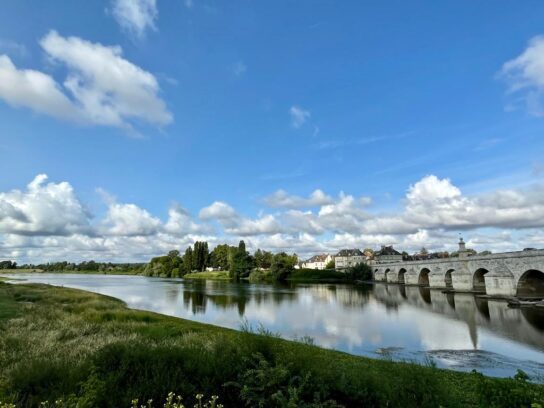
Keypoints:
(518, 274)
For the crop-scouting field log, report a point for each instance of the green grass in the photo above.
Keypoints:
(218, 275)
(92, 351)
(316, 275)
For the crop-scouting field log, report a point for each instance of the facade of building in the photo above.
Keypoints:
(387, 255)
(317, 262)
(348, 258)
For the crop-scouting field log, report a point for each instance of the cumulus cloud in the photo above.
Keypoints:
(101, 87)
(234, 223)
(43, 209)
(282, 199)
(299, 116)
(129, 220)
(525, 75)
(46, 221)
(135, 16)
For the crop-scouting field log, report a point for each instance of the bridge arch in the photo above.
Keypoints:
(385, 274)
(402, 272)
(531, 284)
(478, 280)
(423, 278)
(448, 280)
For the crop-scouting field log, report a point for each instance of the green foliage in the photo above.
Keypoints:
(331, 264)
(260, 275)
(87, 267)
(263, 259)
(282, 266)
(8, 265)
(200, 256)
(240, 262)
(168, 266)
(515, 392)
(219, 257)
(188, 261)
(360, 272)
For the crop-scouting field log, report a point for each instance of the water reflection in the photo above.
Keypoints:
(460, 331)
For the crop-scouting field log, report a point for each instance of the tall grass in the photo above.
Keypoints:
(91, 351)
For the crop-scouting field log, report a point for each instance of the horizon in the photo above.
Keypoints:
(131, 128)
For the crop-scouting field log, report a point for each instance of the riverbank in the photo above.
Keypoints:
(212, 275)
(58, 342)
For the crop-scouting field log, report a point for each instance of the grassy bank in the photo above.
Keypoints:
(217, 275)
(91, 350)
(318, 276)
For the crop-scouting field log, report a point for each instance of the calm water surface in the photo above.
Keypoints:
(460, 332)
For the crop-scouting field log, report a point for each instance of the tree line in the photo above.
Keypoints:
(90, 266)
(235, 259)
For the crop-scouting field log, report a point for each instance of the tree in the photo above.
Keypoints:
(240, 264)
(200, 256)
(219, 258)
(188, 261)
(331, 264)
(283, 265)
(263, 259)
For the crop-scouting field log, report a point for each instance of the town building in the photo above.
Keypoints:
(348, 258)
(317, 262)
(387, 254)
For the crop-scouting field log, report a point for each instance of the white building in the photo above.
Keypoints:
(348, 258)
(317, 262)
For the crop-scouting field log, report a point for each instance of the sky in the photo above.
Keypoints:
(132, 127)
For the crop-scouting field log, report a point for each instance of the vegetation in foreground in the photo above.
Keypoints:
(90, 350)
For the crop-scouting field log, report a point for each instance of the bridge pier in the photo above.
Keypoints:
(461, 281)
(437, 280)
(392, 276)
(379, 275)
(499, 285)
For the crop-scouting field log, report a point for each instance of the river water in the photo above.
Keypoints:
(456, 331)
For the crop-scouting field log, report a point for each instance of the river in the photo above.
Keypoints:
(455, 331)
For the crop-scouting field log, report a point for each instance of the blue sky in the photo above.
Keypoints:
(237, 100)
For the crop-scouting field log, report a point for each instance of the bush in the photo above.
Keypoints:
(282, 266)
(360, 272)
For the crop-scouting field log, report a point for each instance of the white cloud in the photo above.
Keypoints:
(525, 74)
(101, 87)
(299, 116)
(43, 209)
(35, 90)
(129, 220)
(109, 89)
(135, 16)
(282, 199)
(46, 221)
(180, 222)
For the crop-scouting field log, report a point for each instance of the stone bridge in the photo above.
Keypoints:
(518, 273)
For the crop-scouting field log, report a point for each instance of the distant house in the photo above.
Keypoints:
(348, 258)
(317, 262)
(387, 255)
